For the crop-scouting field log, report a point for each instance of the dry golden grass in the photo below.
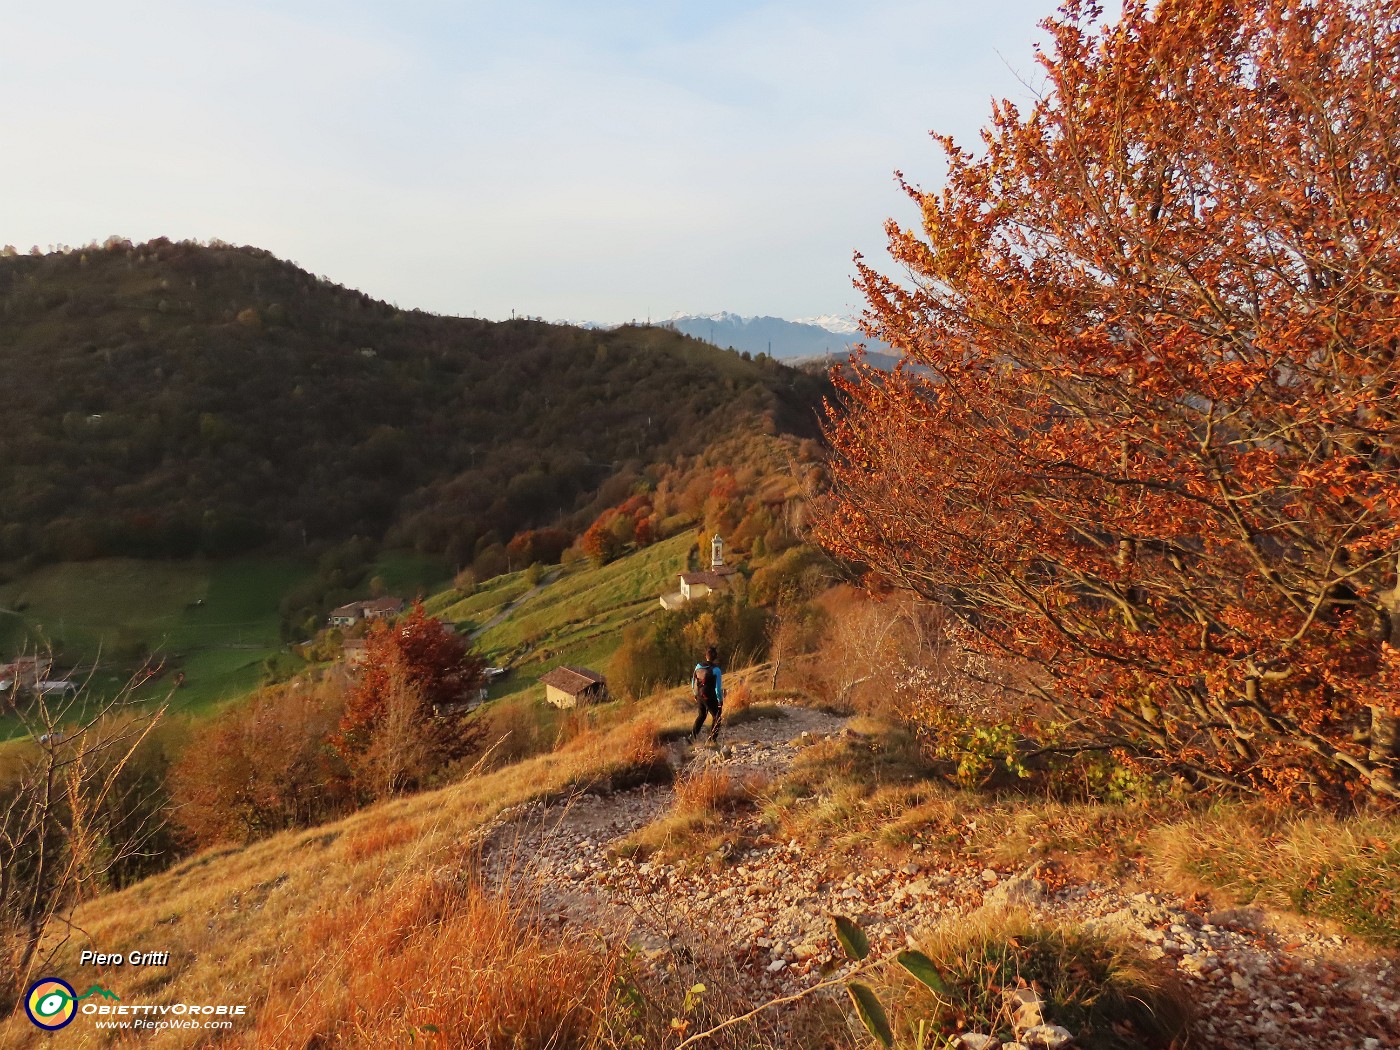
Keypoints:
(874, 792)
(703, 822)
(738, 699)
(374, 839)
(230, 917)
(714, 790)
(1343, 869)
(438, 960)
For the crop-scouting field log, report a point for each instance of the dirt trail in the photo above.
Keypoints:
(1261, 981)
(515, 603)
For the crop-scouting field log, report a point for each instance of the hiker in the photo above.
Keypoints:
(707, 683)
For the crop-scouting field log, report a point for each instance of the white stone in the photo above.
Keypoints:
(978, 1041)
(1020, 889)
(1199, 965)
(1026, 1008)
(1049, 1036)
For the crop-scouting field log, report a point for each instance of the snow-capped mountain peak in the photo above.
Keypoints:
(724, 317)
(837, 323)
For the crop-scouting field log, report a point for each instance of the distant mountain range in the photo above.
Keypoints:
(803, 339)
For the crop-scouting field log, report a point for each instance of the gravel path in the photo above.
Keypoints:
(1261, 981)
(515, 603)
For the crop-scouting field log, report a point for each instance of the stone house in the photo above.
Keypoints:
(376, 609)
(571, 686)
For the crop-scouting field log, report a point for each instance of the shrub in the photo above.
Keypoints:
(1109, 995)
(711, 790)
(261, 766)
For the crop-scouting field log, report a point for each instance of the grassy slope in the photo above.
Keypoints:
(579, 618)
(107, 608)
(407, 574)
(467, 612)
(235, 919)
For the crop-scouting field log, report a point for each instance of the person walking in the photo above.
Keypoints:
(707, 683)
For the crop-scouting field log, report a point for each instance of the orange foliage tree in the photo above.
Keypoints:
(415, 660)
(537, 545)
(1151, 446)
(260, 767)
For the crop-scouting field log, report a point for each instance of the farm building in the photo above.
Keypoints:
(571, 686)
(377, 609)
(356, 651)
(25, 672)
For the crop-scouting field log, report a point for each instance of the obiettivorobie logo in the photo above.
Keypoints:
(52, 1004)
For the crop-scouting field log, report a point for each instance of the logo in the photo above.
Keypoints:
(51, 1003)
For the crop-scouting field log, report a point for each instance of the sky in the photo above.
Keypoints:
(578, 160)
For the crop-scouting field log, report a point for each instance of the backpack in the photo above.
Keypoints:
(703, 682)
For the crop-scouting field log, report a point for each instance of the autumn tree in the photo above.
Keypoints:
(262, 766)
(538, 545)
(405, 716)
(1147, 439)
(600, 542)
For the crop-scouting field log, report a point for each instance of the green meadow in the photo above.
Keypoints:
(214, 623)
(579, 618)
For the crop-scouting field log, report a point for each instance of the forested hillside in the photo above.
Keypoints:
(170, 399)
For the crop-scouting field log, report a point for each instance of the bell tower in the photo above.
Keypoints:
(717, 552)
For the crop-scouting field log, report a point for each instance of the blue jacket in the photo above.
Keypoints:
(719, 680)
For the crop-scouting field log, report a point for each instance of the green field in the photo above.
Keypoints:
(216, 623)
(579, 618)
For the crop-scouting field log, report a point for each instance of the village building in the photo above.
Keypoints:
(355, 651)
(571, 686)
(24, 672)
(381, 608)
(346, 615)
(374, 609)
(698, 583)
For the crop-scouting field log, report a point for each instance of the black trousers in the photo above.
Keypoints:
(706, 706)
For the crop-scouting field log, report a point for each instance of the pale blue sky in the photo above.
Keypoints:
(570, 160)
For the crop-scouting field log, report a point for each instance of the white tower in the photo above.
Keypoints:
(717, 553)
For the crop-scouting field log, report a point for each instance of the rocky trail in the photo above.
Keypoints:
(1260, 980)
